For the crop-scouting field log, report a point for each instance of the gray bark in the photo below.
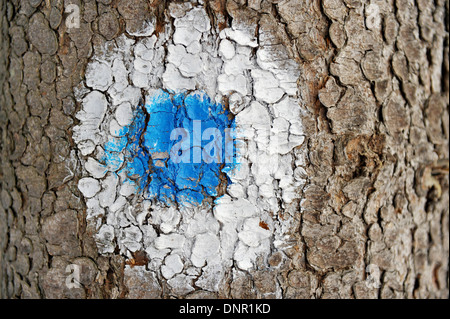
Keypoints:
(377, 139)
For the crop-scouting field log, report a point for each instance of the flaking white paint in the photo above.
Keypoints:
(195, 244)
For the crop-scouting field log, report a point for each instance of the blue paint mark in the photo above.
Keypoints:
(116, 145)
(186, 166)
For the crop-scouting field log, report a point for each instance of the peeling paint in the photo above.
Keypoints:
(125, 144)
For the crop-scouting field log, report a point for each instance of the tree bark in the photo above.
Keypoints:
(372, 219)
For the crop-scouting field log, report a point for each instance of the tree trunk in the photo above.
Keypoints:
(356, 205)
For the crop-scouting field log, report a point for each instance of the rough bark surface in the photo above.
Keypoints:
(377, 139)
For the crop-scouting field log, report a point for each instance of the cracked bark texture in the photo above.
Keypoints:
(377, 144)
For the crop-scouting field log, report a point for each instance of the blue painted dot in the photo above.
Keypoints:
(177, 148)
